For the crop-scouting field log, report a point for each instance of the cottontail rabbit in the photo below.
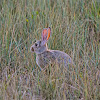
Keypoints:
(44, 56)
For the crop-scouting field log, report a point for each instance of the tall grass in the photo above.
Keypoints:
(75, 28)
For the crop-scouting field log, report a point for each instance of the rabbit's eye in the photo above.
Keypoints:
(36, 44)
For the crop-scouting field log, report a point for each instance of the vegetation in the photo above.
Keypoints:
(75, 28)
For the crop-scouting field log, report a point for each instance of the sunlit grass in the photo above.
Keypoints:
(75, 29)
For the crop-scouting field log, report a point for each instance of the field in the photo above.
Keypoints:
(75, 26)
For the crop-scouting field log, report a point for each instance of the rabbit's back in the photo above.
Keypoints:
(51, 56)
(62, 58)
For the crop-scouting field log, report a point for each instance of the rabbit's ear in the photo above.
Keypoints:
(46, 34)
(49, 33)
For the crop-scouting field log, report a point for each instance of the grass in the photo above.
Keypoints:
(75, 28)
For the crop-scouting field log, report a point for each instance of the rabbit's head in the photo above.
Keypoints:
(41, 45)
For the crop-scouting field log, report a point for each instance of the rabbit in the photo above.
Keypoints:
(44, 56)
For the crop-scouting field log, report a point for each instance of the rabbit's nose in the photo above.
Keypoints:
(32, 49)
